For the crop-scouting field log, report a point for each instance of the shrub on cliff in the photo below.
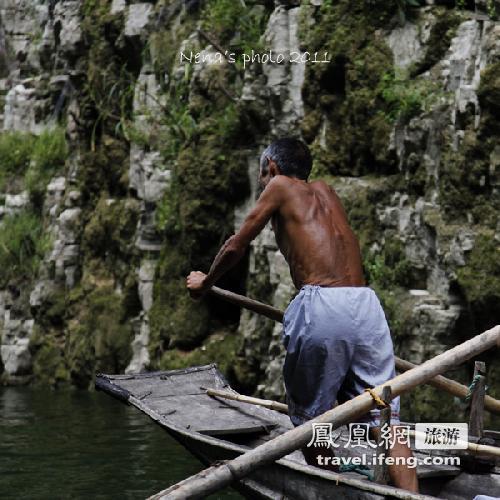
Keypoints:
(15, 154)
(22, 245)
(48, 156)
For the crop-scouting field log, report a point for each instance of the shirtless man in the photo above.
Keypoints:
(335, 332)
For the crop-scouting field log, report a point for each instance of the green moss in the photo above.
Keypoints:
(464, 180)
(489, 94)
(219, 348)
(427, 404)
(344, 94)
(465, 183)
(98, 336)
(384, 273)
(104, 169)
(360, 199)
(176, 320)
(111, 228)
(407, 98)
(479, 281)
(234, 24)
(49, 365)
(196, 215)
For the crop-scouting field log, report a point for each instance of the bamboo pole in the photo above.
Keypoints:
(440, 382)
(251, 304)
(266, 403)
(473, 448)
(452, 387)
(221, 476)
(274, 405)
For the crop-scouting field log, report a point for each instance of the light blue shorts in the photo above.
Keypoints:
(337, 344)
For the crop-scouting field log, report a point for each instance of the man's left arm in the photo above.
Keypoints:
(234, 248)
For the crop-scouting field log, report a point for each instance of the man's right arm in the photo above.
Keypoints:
(234, 248)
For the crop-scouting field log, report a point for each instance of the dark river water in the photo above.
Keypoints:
(70, 444)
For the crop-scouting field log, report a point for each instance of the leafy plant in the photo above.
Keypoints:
(220, 17)
(49, 155)
(16, 149)
(491, 9)
(406, 98)
(23, 243)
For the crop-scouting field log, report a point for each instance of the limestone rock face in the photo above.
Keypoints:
(402, 121)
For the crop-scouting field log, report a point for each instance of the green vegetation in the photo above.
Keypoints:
(48, 157)
(100, 338)
(196, 216)
(22, 246)
(466, 183)
(407, 98)
(234, 25)
(220, 347)
(388, 273)
(29, 162)
(492, 9)
(342, 98)
(109, 232)
(479, 280)
(15, 154)
(49, 366)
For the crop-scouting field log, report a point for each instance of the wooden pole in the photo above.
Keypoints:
(274, 405)
(251, 304)
(266, 403)
(476, 417)
(221, 476)
(381, 470)
(440, 382)
(450, 386)
(472, 448)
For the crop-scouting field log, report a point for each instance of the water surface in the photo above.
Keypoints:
(70, 444)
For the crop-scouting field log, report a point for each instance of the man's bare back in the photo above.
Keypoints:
(311, 230)
(313, 234)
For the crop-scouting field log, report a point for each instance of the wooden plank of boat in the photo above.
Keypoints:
(180, 400)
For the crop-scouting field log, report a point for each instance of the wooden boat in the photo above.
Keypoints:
(214, 429)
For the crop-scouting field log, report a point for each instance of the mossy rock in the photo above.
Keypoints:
(479, 281)
(99, 337)
(344, 93)
(111, 228)
(219, 348)
(442, 32)
(489, 89)
(428, 404)
(49, 364)
(465, 183)
(177, 321)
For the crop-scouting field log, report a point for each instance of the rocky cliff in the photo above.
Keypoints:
(129, 152)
